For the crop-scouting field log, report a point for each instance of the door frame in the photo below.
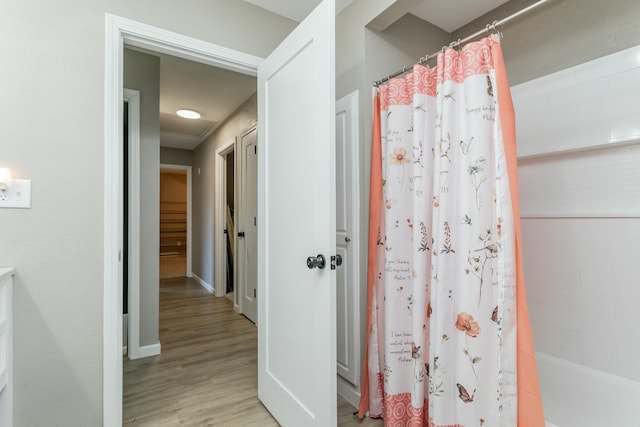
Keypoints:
(132, 97)
(188, 170)
(220, 242)
(239, 275)
(118, 33)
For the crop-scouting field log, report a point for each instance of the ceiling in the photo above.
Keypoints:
(446, 14)
(295, 10)
(216, 93)
(453, 14)
(213, 92)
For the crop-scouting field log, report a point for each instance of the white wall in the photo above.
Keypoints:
(52, 131)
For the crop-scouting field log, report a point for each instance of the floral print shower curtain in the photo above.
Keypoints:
(448, 339)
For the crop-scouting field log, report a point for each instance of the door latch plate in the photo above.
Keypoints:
(336, 261)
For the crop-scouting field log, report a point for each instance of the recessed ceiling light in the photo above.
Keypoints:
(188, 114)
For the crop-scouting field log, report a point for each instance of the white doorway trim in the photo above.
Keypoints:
(133, 250)
(118, 32)
(220, 242)
(188, 170)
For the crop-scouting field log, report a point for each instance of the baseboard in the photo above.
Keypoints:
(202, 283)
(348, 392)
(149, 350)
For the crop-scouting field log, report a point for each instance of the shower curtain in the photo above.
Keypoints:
(448, 335)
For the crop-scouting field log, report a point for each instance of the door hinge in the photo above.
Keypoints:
(255, 222)
(255, 149)
(254, 293)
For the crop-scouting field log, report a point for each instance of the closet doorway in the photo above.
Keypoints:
(175, 222)
(229, 231)
(237, 201)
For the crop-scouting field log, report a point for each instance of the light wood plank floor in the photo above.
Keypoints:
(207, 372)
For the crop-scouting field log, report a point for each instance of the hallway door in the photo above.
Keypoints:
(247, 229)
(296, 222)
(347, 237)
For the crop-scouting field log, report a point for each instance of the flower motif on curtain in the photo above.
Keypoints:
(399, 156)
(466, 324)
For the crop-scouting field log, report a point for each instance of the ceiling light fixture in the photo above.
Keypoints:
(188, 114)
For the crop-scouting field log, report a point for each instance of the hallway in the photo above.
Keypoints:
(207, 372)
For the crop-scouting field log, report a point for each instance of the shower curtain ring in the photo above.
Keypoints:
(496, 30)
(459, 43)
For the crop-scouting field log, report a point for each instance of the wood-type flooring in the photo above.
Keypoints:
(207, 372)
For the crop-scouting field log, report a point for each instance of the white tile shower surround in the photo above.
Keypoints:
(578, 133)
(592, 104)
(603, 182)
(583, 290)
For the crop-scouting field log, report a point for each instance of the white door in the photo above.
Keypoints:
(296, 220)
(347, 282)
(248, 230)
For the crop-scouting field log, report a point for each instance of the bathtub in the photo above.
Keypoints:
(578, 396)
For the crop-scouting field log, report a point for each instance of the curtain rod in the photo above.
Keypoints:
(487, 30)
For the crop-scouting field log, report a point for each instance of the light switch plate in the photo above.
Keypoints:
(18, 195)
